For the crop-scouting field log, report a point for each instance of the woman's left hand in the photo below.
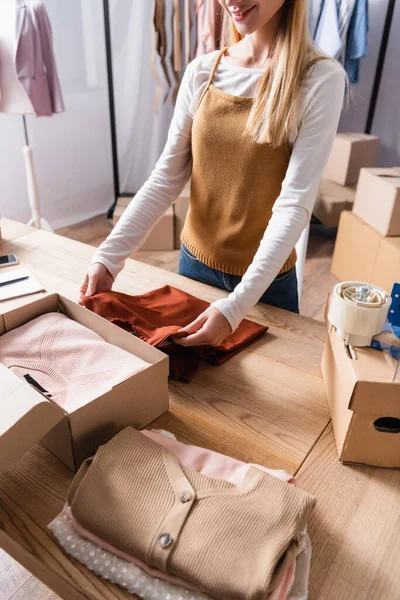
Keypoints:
(209, 329)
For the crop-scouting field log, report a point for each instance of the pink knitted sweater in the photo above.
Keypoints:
(72, 364)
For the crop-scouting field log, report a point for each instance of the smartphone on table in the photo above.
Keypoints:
(6, 260)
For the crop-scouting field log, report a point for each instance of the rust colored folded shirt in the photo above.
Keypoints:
(227, 540)
(159, 314)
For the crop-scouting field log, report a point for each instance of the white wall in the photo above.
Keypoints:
(141, 132)
(72, 150)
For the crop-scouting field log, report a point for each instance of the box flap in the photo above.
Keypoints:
(25, 417)
(391, 173)
(367, 380)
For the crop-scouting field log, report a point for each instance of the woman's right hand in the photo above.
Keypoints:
(97, 279)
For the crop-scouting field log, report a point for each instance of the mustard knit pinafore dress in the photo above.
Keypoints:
(235, 183)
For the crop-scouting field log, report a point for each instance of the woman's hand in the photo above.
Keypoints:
(209, 329)
(97, 279)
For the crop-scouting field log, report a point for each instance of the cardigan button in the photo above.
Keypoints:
(165, 540)
(186, 497)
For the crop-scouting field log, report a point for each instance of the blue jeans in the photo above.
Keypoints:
(282, 292)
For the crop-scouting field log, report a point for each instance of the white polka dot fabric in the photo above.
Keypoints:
(114, 569)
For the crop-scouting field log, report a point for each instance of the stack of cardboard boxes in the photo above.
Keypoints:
(362, 388)
(350, 153)
(368, 241)
(166, 233)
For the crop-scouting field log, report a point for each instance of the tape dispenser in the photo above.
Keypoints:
(358, 311)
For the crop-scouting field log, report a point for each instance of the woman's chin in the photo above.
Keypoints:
(245, 28)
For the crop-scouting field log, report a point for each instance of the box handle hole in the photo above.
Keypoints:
(387, 425)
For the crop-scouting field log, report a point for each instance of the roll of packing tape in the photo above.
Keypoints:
(358, 311)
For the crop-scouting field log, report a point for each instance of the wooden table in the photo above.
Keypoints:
(266, 405)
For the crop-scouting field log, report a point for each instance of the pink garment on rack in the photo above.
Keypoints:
(211, 34)
(208, 26)
(186, 29)
(200, 14)
(223, 37)
(35, 62)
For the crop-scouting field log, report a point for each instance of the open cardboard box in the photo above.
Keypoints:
(364, 403)
(27, 416)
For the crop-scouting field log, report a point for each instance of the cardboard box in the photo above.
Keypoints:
(363, 254)
(332, 200)
(364, 404)
(387, 266)
(356, 249)
(27, 416)
(123, 201)
(350, 153)
(378, 199)
(181, 208)
(161, 237)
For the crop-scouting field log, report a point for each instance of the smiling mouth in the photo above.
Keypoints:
(241, 15)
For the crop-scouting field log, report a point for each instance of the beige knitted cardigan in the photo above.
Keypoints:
(227, 540)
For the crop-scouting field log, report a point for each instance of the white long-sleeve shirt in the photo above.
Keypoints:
(319, 109)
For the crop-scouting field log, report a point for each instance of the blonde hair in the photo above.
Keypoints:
(274, 112)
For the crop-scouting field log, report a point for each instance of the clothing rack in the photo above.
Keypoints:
(107, 29)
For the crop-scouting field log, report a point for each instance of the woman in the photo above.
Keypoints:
(253, 125)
